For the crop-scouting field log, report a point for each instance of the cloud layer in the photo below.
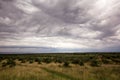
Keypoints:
(62, 24)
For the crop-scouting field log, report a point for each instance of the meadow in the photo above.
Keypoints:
(60, 66)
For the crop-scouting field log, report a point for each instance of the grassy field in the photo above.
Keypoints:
(60, 67)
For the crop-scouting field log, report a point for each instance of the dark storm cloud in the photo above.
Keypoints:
(85, 24)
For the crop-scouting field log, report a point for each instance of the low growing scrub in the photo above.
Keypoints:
(81, 63)
(4, 64)
(96, 63)
(66, 64)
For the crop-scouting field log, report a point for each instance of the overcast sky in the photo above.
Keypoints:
(59, 25)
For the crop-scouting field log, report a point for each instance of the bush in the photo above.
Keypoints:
(117, 61)
(0, 60)
(39, 61)
(4, 64)
(11, 63)
(96, 63)
(76, 61)
(20, 59)
(66, 64)
(31, 61)
(81, 63)
(47, 60)
(106, 61)
(23, 61)
(58, 60)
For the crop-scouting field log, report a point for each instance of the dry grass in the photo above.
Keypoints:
(55, 71)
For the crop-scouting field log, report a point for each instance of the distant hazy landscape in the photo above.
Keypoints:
(72, 66)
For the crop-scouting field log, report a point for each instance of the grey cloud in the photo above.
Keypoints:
(0, 6)
(7, 0)
(108, 29)
(59, 23)
(7, 28)
(68, 12)
(11, 11)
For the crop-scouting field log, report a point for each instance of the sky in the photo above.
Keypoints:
(59, 25)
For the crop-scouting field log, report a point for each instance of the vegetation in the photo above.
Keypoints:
(10, 63)
(96, 66)
(66, 64)
(96, 63)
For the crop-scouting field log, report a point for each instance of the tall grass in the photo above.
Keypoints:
(53, 71)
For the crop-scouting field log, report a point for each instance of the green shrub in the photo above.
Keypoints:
(11, 63)
(31, 61)
(81, 63)
(47, 60)
(23, 61)
(4, 64)
(39, 61)
(96, 63)
(76, 61)
(106, 61)
(66, 64)
(58, 60)
(0, 60)
(117, 61)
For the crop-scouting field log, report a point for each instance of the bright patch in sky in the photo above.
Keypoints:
(103, 4)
